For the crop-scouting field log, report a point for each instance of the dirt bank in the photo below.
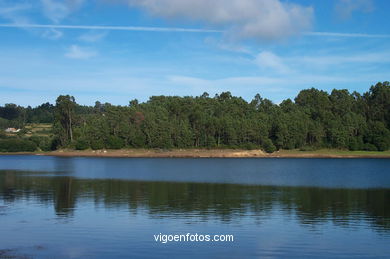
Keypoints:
(210, 153)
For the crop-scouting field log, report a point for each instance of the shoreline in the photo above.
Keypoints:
(207, 153)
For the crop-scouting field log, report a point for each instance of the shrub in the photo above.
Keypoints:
(82, 144)
(307, 148)
(378, 135)
(249, 146)
(55, 143)
(17, 145)
(115, 142)
(355, 144)
(4, 123)
(268, 146)
(382, 145)
(210, 142)
(369, 147)
(97, 144)
(44, 143)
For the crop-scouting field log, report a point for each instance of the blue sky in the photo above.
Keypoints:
(118, 50)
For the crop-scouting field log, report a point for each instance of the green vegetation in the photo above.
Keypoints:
(314, 120)
(38, 129)
(17, 145)
(335, 152)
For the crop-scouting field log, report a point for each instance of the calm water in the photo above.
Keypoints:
(112, 208)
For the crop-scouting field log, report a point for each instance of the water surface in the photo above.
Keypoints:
(112, 207)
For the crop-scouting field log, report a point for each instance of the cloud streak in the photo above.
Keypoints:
(345, 8)
(77, 52)
(93, 36)
(271, 62)
(58, 10)
(267, 60)
(175, 29)
(110, 28)
(346, 35)
(14, 13)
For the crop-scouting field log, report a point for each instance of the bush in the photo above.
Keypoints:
(355, 144)
(17, 145)
(4, 123)
(115, 142)
(249, 146)
(382, 145)
(369, 147)
(55, 143)
(82, 144)
(268, 146)
(210, 142)
(97, 144)
(378, 135)
(307, 148)
(44, 143)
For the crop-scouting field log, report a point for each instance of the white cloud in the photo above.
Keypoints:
(93, 36)
(52, 34)
(269, 61)
(230, 45)
(345, 8)
(346, 35)
(243, 19)
(57, 10)
(44, 76)
(14, 12)
(277, 87)
(6, 8)
(269, 84)
(110, 28)
(329, 61)
(77, 52)
(224, 83)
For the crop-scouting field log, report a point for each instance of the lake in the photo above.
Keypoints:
(52, 207)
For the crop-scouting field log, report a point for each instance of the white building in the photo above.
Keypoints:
(12, 130)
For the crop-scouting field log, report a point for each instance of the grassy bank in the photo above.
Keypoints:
(212, 153)
(331, 153)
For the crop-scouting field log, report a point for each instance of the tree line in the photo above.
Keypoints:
(314, 119)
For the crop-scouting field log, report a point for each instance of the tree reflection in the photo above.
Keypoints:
(225, 202)
(64, 196)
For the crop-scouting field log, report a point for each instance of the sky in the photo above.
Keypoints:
(118, 50)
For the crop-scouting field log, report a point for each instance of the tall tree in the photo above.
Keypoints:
(65, 115)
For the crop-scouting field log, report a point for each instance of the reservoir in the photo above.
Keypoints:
(75, 207)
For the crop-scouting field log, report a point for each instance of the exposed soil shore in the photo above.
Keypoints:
(209, 153)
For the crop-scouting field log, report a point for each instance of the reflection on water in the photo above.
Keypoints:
(219, 201)
(333, 173)
(71, 208)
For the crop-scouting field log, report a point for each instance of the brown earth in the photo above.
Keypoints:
(207, 153)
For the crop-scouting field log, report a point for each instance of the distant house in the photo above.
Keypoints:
(12, 130)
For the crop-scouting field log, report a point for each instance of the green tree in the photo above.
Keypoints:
(313, 120)
(65, 115)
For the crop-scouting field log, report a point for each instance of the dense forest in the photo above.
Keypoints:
(314, 119)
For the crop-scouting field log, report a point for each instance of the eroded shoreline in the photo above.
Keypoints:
(208, 153)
